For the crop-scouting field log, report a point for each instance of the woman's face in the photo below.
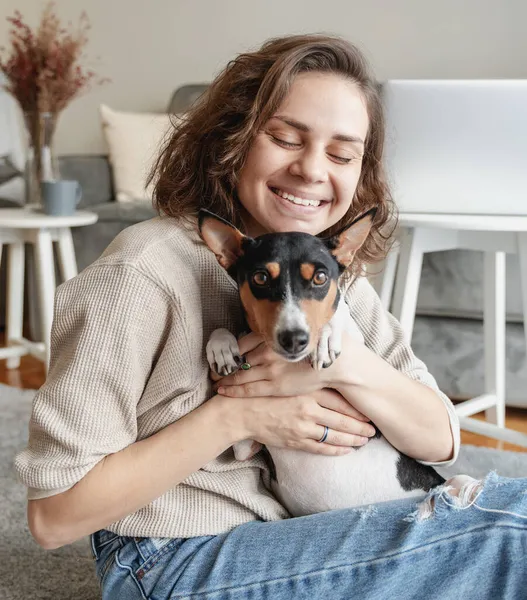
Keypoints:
(303, 166)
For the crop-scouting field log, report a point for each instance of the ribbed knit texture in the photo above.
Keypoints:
(128, 358)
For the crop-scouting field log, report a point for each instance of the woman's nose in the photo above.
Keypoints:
(310, 165)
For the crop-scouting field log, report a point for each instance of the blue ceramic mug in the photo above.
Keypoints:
(61, 197)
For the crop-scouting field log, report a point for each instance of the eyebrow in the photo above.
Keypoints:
(303, 127)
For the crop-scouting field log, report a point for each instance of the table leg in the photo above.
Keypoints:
(522, 252)
(46, 284)
(15, 298)
(407, 280)
(494, 321)
(66, 252)
(387, 278)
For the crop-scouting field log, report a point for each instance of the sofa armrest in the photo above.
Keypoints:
(94, 174)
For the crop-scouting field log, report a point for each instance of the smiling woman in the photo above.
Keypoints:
(129, 442)
(303, 166)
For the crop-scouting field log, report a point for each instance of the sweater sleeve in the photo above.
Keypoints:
(384, 335)
(109, 324)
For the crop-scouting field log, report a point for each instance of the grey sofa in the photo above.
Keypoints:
(94, 174)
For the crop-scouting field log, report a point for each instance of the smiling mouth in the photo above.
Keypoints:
(297, 200)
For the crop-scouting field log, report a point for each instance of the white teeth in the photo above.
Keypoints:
(296, 200)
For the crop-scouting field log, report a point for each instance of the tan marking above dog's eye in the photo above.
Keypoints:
(273, 269)
(307, 270)
(260, 278)
(320, 278)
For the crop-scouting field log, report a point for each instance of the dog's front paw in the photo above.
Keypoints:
(223, 352)
(328, 348)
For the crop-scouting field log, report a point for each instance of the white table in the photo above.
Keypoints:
(494, 235)
(28, 225)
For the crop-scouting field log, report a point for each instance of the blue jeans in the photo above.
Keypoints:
(473, 546)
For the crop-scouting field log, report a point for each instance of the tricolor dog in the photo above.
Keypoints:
(289, 290)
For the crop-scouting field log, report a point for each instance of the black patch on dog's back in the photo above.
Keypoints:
(413, 475)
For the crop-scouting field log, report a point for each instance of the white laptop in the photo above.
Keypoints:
(457, 146)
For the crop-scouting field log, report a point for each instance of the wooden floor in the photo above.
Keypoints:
(31, 375)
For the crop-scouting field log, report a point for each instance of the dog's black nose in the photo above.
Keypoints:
(293, 341)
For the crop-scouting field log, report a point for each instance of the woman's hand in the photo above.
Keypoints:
(298, 422)
(272, 375)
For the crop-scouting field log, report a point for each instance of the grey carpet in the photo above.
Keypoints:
(29, 572)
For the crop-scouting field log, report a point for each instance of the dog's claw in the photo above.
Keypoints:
(223, 353)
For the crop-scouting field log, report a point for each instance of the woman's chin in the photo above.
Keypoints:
(283, 224)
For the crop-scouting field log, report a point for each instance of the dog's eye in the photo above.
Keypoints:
(320, 278)
(260, 278)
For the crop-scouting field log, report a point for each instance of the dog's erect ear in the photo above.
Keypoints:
(345, 244)
(221, 237)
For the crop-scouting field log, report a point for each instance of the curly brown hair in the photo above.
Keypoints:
(199, 164)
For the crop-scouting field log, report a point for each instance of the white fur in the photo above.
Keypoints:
(221, 349)
(290, 317)
(311, 483)
(330, 342)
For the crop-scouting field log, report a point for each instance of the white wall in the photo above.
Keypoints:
(150, 48)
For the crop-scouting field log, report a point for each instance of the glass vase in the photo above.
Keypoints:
(41, 162)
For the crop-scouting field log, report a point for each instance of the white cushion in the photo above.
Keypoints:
(134, 141)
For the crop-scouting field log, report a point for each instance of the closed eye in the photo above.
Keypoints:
(285, 144)
(341, 159)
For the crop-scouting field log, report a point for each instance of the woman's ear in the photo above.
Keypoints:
(221, 237)
(345, 244)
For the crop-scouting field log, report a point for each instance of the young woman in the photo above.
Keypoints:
(129, 443)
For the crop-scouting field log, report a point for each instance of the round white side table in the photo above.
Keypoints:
(495, 236)
(28, 225)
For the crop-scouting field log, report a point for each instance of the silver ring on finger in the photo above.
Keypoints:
(324, 436)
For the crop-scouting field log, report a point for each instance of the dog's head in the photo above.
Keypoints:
(288, 282)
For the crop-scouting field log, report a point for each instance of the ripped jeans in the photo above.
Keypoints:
(466, 540)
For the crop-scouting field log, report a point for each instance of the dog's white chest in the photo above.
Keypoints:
(311, 483)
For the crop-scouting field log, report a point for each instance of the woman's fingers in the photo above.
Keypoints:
(344, 424)
(332, 400)
(262, 355)
(246, 344)
(335, 437)
(249, 342)
(326, 449)
(236, 385)
(214, 376)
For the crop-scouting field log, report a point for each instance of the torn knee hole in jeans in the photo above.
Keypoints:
(458, 492)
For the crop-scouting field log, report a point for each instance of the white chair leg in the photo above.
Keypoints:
(66, 252)
(494, 334)
(15, 298)
(46, 284)
(407, 279)
(522, 252)
(387, 283)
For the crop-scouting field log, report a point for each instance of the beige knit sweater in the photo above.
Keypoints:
(127, 359)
